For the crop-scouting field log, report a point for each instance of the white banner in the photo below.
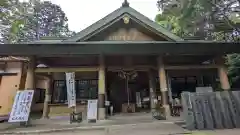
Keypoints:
(92, 110)
(71, 94)
(138, 99)
(22, 106)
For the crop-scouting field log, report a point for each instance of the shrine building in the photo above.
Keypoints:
(124, 58)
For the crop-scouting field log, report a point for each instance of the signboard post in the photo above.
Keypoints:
(21, 106)
(92, 110)
(71, 93)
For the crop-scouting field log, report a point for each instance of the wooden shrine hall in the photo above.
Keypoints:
(124, 58)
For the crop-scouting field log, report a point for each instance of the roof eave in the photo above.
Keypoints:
(95, 26)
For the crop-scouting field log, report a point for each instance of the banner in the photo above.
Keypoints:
(71, 94)
(138, 99)
(22, 106)
(92, 110)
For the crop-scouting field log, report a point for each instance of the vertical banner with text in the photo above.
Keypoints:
(71, 93)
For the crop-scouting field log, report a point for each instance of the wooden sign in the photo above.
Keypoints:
(123, 36)
(128, 35)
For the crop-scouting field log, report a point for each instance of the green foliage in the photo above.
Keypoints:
(171, 23)
(233, 62)
(204, 19)
(28, 21)
(10, 19)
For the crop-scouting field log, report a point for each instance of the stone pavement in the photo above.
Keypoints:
(117, 125)
(141, 130)
(100, 132)
(217, 132)
(114, 126)
(147, 129)
(154, 128)
(63, 123)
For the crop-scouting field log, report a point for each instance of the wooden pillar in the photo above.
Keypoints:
(30, 83)
(222, 73)
(30, 79)
(47, 98)
(101, 89)
(152, 90)
(163, 87)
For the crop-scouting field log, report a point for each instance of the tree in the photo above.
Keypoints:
(47, 19)
(205, 19)
(172, 23)
(10, 19)
(37, 19)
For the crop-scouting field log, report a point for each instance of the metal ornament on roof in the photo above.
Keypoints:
(126, 19)
(125, 3)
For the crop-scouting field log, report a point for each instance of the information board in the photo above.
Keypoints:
(22, 106)
(92, 110)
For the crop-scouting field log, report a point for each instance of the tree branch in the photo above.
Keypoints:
(227, 20)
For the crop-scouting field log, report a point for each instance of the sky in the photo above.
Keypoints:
(83, 13)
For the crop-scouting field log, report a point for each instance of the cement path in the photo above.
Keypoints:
(139, 129)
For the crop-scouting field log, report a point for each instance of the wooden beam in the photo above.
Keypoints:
(184, 67)
(8, 74)
(168, 67)
(136, 68)
(120, 47)
(43, 76)
(119, 68)
(79, 69)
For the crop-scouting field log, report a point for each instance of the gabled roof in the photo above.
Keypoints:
(117, 15)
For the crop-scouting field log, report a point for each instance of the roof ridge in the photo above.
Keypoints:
(155, 23)
(125, 3)
(104, 18)
(155, 27)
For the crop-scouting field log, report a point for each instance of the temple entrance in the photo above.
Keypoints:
(128, 94)
(189, 81)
